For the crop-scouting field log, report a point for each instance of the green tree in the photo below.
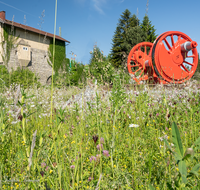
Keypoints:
(134, 36)
(125, 22)
(100, 68)
(149, 29)
(96, 55)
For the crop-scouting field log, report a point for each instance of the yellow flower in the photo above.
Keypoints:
(177, 169)
(50, 171)
(153, 120)
(64, 136)
(72, 142)
(147, 124)
(114, 166)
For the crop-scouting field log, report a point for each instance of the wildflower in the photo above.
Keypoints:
(20, 117)
(50, 171)
(72, 166)
(157, 114)
(164, 137)
(90, 179)
(54, 164)
(42, 173)
(93, 158)
(102, 140)
(43, 164)
(134, 125)
(106, 153)
(95, 138)
(98, 157)
(98, 147)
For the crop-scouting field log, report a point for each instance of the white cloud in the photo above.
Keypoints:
(98, 5)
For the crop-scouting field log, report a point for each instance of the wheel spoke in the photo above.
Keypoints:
(136, 70)
(190, 56)
(185, 68)
(145, 50)
(134, 65)
(142, 72)
(172, 39)
(188, 63)
(167, 44)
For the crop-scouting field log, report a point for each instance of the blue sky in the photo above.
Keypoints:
(88, 22)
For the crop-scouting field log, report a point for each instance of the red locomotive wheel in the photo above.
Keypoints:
(174, 57)
(139, 59)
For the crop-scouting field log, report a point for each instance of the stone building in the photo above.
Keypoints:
(30, 49)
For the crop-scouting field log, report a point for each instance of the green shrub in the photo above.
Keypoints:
(24, 77)
(4, 76)
(71, 76)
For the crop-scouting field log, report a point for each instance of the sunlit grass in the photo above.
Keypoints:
(120, 138)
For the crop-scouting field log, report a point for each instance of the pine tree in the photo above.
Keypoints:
(125, 22)
(134, 36)
(148, 29)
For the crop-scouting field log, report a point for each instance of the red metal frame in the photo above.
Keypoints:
(168, 60)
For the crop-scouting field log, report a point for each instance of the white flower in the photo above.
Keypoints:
(14, 122)
(134, 125)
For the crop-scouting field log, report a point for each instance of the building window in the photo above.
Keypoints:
(25, 48)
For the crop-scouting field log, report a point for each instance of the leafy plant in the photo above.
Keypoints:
(24, 77)
(182, 158)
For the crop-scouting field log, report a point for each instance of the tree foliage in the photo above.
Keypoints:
(100, 68)
(125, 22)
(134, 36)
(148, 29)
(128, 33)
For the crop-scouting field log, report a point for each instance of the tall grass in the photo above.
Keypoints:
(115, 143)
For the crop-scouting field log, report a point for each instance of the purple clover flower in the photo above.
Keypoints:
(98, 147)
(90, 179)
(43, 164)
(72, 166)
(106, 153)
(93, 158)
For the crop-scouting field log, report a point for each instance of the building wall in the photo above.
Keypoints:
(34, 40)
(36, 59)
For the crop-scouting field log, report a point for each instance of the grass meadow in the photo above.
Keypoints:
(121, 141)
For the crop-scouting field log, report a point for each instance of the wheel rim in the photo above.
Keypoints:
(139, 61)
(169, 62)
